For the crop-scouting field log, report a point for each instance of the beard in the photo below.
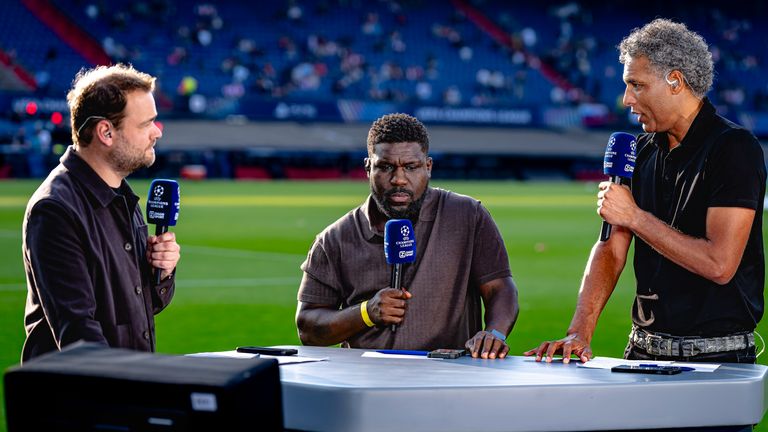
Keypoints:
(411, 212)
(124, 158)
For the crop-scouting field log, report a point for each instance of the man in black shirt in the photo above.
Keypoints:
(87, 254)
(695, 210)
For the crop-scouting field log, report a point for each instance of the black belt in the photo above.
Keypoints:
(660, 344)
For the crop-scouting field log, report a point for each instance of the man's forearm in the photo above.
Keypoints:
(502, 308)
(324, 327)
(603, 269)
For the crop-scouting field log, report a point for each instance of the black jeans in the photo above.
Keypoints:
(746, 355)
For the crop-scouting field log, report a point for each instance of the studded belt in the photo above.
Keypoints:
(660, 344)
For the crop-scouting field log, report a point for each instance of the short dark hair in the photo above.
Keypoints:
(398, 128)
(100, 93)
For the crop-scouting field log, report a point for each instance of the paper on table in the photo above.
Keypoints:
(609, 362)
(554, 359)
(374, 354)
(281, 360)
(222, 354)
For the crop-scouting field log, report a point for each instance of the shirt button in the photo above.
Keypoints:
(163, 290)
(128, 246)
(138, 289)
(146, 335)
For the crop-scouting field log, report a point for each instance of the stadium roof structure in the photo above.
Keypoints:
(204, 134)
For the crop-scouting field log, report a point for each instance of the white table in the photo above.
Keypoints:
(353, 393)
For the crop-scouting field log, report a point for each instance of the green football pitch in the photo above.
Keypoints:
(242, 244)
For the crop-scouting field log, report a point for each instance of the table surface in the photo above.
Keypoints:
(353, 393)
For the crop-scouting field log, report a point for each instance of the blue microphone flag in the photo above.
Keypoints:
(163, 202)
(399, 241)
(620, 155)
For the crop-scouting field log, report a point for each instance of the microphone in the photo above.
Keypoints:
(399, 248)
(619, 163)
(162, 209)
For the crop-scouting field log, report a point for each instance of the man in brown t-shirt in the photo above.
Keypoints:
(345, 296)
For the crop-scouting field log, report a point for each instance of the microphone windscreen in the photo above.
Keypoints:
(620, 155)
(399, 241)
(163, 202)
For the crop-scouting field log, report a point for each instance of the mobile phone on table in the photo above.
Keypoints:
(648, 369)
(267, 351)
(446, 353)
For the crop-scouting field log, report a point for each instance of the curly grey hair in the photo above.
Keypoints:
(671, 46)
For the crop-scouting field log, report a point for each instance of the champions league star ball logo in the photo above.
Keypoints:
(633, 146)
(405, 231)
(158, 191)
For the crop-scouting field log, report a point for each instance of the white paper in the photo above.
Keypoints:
(224, 354)
(281, 360)
(609, 362)
(543, 359)
(374, 354)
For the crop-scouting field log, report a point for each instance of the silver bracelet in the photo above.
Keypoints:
(498, 335)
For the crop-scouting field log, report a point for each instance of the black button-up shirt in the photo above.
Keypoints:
(88, 278)
(717, 164)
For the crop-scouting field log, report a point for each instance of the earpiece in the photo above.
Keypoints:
(673, 83)
(108, 134)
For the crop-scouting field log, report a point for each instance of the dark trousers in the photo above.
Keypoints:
(746, 355)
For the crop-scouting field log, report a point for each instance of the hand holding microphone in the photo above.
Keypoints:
(399, 248)
(163, 211)
(619, 163)
(388, 306)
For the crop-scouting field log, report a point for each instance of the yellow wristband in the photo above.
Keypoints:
(364, 314)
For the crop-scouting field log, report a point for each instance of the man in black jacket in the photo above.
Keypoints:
(87, 254)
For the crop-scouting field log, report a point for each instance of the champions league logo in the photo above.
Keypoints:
(155, 205)
(399, 241)
(620, 155)
(405, 243)
(163, 202)
(405, 231)
(158, 191)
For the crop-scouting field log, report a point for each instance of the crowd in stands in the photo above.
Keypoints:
(462, 53)
(424, 52)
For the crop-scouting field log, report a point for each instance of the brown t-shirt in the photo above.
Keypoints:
(458, 248)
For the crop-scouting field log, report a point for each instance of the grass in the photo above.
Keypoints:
(243, 242)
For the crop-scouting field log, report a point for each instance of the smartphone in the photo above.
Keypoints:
(447, 353)
(267, 351)
(648, 369)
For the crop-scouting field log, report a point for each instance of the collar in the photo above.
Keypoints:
(697, 130)
(100, 192)
(428, 212)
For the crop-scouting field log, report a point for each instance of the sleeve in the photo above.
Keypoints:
(736, 171)
(163, 292)
(57, 266)
(489, 255)
(320, 283)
